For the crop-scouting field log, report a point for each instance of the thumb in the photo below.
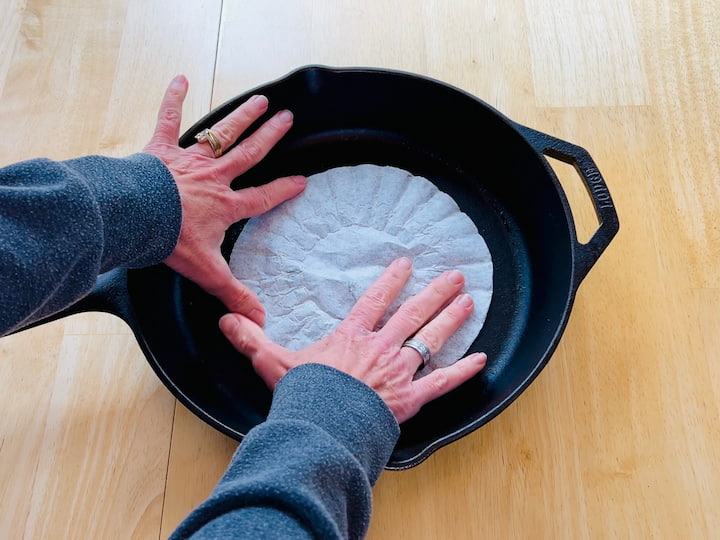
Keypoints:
(216, 278)
(240, 299)
(167, 129)
(246, 336)
(271, 361)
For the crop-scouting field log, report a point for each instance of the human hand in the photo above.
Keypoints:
(376, 356)
(209, 205)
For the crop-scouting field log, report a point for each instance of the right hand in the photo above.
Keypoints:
(376, 356)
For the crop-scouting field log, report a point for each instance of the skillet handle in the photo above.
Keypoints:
(109, 295)
(586, 255)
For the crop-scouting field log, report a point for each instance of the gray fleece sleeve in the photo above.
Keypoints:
(307, 471)
(63, 223)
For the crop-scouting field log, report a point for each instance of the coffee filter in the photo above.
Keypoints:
(310, 259)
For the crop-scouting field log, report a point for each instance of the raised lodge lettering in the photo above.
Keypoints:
(599, 191)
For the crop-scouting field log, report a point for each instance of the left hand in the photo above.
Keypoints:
(209, 205)
(376, 356)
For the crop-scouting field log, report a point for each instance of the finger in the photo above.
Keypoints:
(436, 332)
(253, 201)
(374, 302)
(237, 297)
(251, 150)
(233, 125)
(441, 381)
(167, 129)
(414, 313)
(218, 280)
(248, 338)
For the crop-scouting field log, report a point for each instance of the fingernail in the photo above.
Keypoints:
(257, 316)
(300, 180)
(258, 99)
(228, 322)
(178, 82)
(454, 277)
(465, 300)
(480, 358)
(404, 263)
(285, 115)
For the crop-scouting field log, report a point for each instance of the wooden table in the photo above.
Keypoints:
(619, 437)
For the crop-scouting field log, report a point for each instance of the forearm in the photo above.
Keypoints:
(308, 470)
(63, 223)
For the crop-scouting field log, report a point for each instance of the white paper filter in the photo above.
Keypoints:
(311, 258)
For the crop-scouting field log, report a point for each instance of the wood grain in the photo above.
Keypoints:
(619, 436)
(198, 457)
(585, 54)
(86, 430)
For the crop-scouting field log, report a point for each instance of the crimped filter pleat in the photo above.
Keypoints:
(311, 258)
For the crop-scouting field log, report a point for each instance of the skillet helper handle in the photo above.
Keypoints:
(586, 255)
(109, 295)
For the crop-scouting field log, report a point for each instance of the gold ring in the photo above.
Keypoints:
(209, 137)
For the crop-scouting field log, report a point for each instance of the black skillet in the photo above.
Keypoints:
(493, 167)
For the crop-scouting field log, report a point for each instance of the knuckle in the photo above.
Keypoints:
(440, 288)
(241, 296)
(252, 150)
(243, 344)
(171, 115)
(223, 133)
(263, 197)
(384, 343)
(413, 314)
(378, 297)
(454, 316)
(432, 339)
(440, 381)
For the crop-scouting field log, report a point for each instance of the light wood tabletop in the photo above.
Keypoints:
(619, 436)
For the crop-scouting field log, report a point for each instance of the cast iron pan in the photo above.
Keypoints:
(493, 167)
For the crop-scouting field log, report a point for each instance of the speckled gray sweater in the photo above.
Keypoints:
(63, 223)
(307, 471)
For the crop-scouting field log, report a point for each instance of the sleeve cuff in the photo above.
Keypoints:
(140, 208)
(352, 412)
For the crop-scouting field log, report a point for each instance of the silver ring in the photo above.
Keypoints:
(421, 348)
(209, 137)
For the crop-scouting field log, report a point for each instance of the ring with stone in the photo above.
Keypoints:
(206, 135)
(421, 348)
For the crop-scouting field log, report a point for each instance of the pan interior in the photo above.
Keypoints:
(420, 126)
